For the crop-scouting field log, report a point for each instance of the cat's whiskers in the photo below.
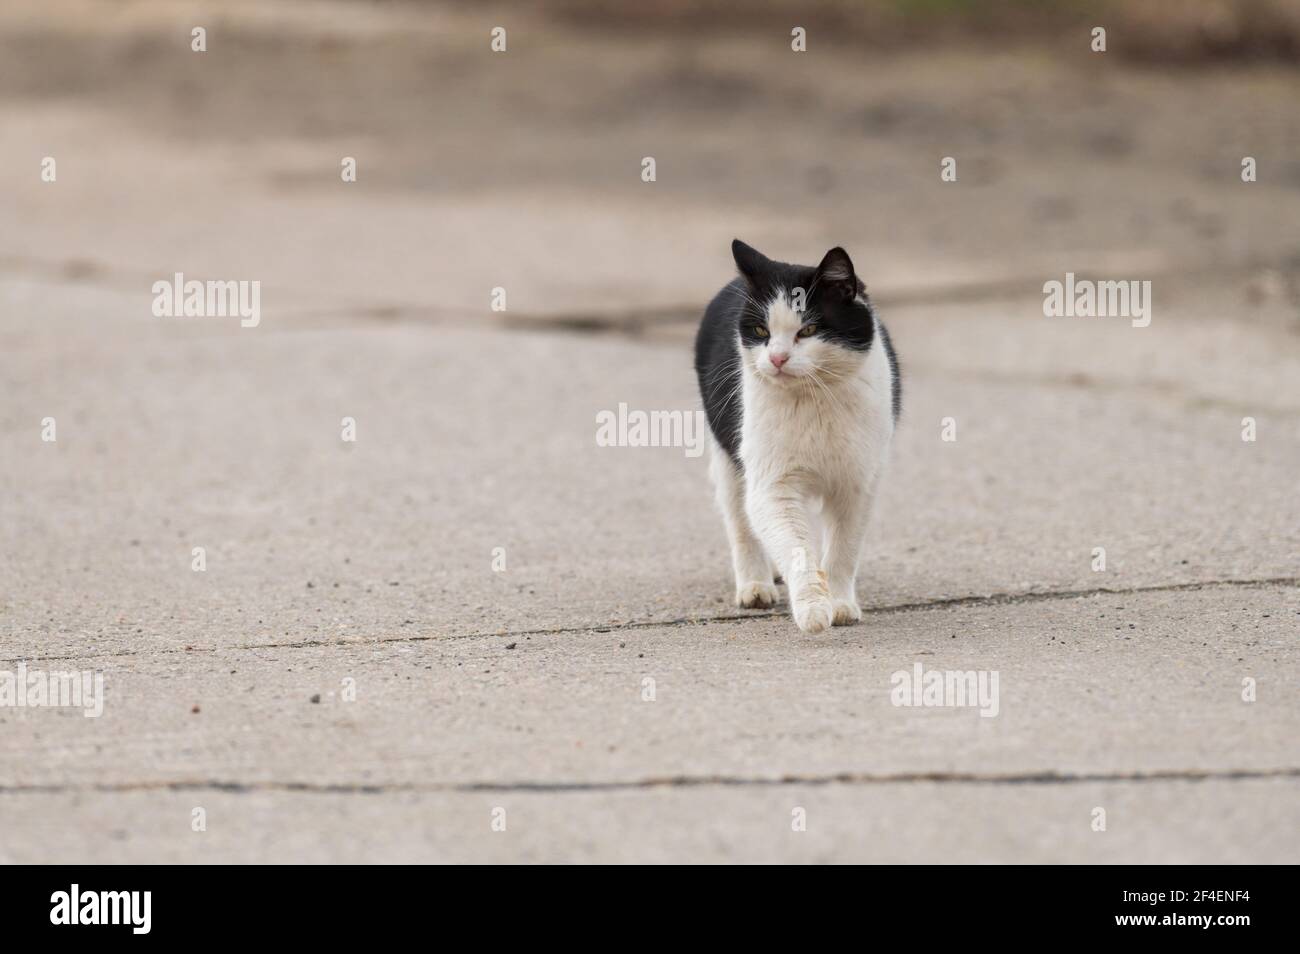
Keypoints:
(760, 307)
(835, 403)
(733, 397)
(828, 380)
(719, 378)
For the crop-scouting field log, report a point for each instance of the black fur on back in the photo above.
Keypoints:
(717, 364)
(730, 318)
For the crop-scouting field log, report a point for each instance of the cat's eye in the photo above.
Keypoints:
(807, 331)
(760, 331)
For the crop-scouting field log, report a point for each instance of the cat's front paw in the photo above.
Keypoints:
(756, 595)
(812, 606)
(846, 612)
(813, 616)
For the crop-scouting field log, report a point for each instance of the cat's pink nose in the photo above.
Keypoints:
(778, 359)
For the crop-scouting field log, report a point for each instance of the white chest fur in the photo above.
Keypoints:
(820, 437)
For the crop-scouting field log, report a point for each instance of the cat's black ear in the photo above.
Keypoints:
(835, 275)
(751, 262)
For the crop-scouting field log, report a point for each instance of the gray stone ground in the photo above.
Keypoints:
(522, 690)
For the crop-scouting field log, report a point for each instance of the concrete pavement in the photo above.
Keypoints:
(373, 562)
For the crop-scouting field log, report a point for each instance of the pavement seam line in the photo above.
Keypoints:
(677, 781)
(995, 599)
(83, 271)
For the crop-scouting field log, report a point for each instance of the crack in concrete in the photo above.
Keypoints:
(995, 599)
(1046, 777)
(634, 322)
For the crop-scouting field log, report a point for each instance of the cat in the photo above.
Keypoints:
(801, 388)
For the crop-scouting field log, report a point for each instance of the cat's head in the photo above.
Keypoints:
(802, 324)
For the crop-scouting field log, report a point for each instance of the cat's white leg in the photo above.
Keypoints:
(754, 586)
(847, 514)
(778, 513)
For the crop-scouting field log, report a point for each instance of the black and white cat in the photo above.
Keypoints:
(801, 388)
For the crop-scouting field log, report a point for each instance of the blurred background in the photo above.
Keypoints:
(523, 168)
